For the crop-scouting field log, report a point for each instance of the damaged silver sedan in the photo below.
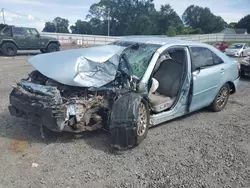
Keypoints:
(124, 87)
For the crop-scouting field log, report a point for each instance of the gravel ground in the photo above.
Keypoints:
(204, 149)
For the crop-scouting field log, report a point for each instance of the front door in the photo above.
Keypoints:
(33, 40)
(208, 75)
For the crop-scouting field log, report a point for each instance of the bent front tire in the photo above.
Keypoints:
(221, 98)
(129, 121)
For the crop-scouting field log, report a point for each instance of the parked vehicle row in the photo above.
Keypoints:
(125, 87)
(14, 38)
(238, 50)
(235, 49)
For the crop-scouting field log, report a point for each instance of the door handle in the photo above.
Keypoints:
(222, 71)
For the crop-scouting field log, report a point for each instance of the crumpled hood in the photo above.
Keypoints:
(85, 67)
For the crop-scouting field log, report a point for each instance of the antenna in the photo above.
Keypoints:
(3, 15)
(108, 20)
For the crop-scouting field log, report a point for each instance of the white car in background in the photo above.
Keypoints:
(238, 50)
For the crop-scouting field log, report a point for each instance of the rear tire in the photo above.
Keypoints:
(9, 49)
(221, 99)
(53, 48)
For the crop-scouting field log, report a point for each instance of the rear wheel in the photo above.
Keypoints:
(9, 49)
(53, 48)
(221, 99)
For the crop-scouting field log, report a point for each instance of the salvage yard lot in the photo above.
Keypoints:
(204, 149)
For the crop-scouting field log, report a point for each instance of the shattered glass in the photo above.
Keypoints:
(140, 57)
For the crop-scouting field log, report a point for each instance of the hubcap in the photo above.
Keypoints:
(142, 120)
(222, 97)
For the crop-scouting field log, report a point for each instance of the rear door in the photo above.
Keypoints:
(19, 36)
(208, 74)
(33, 39)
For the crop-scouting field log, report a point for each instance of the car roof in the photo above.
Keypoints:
(162, 40)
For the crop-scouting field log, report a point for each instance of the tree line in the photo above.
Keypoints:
(139, 17)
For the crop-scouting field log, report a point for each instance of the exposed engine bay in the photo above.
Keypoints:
(65, 108)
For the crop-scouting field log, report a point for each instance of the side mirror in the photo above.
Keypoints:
(38, 35)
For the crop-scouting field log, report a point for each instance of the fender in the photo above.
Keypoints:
(8, 40)
(123, 120)
(52, 41)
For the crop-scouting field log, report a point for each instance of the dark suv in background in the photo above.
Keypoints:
(22, 38)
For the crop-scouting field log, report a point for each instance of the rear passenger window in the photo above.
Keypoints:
(18, 31)
(203, 57)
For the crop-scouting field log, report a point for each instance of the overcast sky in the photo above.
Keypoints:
(39, 11)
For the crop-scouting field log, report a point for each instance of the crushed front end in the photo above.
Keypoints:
(59, 107)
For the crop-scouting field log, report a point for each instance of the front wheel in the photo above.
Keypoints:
(142, 123)
(129, 121)
(53, 48)
(221, 99)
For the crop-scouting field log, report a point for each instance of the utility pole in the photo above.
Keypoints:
(3, 15)
(108, 20)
